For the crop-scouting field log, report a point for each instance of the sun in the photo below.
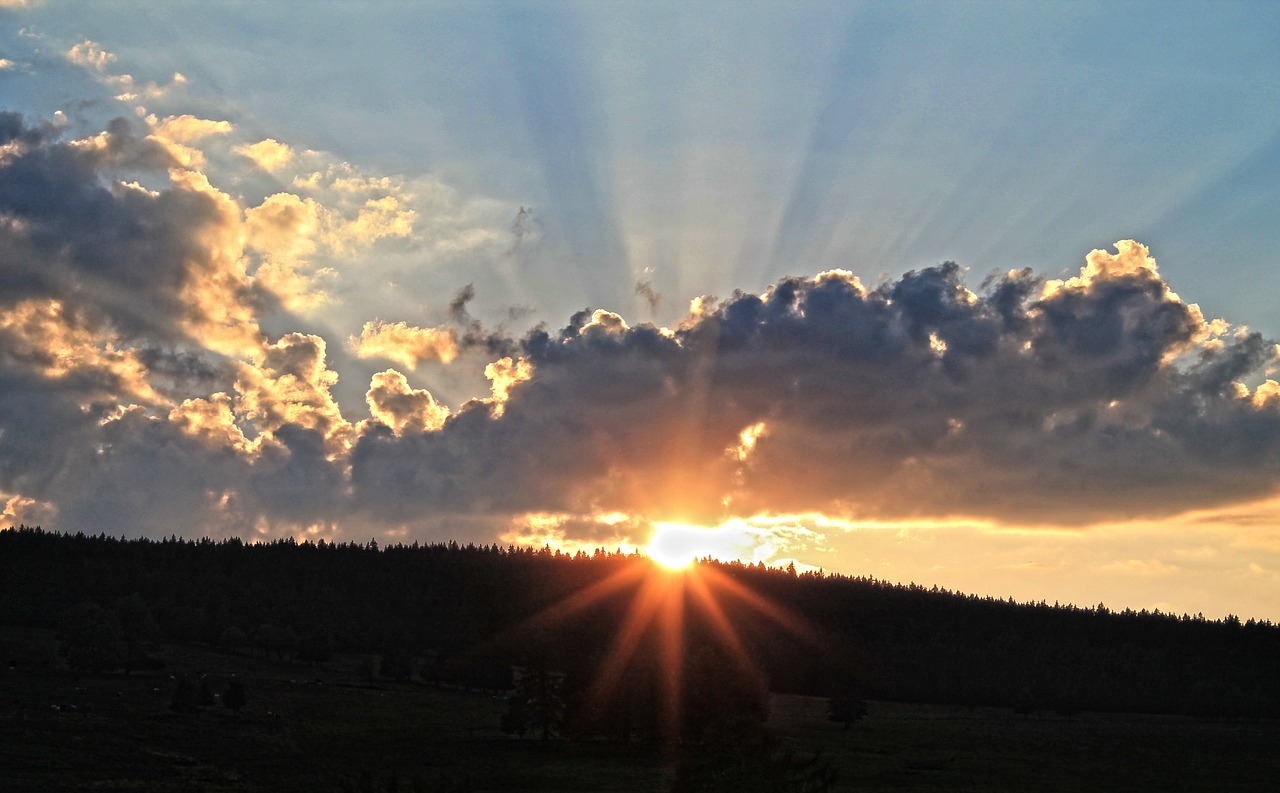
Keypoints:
(677, 545)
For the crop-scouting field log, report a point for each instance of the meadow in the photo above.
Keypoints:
(331, 727)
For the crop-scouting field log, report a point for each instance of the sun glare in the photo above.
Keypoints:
(677, 545)
(668, 620)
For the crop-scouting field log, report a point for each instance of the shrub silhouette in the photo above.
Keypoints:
(536, 706)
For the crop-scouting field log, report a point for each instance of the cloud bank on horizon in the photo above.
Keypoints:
(141, 393)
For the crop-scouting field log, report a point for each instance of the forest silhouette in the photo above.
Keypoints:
(624, 667)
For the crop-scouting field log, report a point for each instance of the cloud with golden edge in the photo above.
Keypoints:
(179, 133)
(504, 374)
(387, 216)
(286, 230)
(404, 343)
(218, 289)
(269, 154)
(289, 384)
(575, 533)
(211, 419)
(45, 335)
(395, 403)
(188, 129)
(24, 511)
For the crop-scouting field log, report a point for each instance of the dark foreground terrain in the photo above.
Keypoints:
(330, 727)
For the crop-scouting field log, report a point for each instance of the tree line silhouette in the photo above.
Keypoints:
(467, 614)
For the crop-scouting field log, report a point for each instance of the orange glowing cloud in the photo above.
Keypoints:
(392, 401)
(404, 343)
(269, 154)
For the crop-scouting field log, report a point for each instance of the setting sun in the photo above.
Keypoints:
(677, 545)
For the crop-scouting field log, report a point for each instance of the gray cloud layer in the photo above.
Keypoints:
(137, 393)
(1104, 397)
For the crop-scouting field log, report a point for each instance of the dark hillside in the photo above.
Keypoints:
(467, 614)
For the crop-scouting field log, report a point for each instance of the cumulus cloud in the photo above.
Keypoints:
(187, 128)
(291, 233)
(402, 408)
(405, 344)
(115, 256)
(290, 386)
(91, 56)
(140, 394)
(269, 154)
(1100, 397)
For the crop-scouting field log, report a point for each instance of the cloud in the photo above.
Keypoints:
(404, 343)
(458, 305)
(139, 394)
(139, 391)
(44, 337)
(651, 296)
(290, 232)
(1102, 397)
(526, 230)
(393, 402)
(290, 386)
(91, 56)
(19, 510)
(159, 263)
(187, 128)
(269, 154)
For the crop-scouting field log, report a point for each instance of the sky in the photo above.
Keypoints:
(976, 295)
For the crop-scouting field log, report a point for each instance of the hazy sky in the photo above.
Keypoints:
(868, 286)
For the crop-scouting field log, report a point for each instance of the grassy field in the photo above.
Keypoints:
(902, 747)
(326, 729)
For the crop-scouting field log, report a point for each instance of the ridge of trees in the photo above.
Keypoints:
(457, 613)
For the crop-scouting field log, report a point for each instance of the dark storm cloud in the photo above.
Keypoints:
(1103, 397)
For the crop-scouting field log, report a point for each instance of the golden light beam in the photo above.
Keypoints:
(569, 606)
(722, 628)
(793, 623)
(583, 599)
(673, 646)
(624, 645)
